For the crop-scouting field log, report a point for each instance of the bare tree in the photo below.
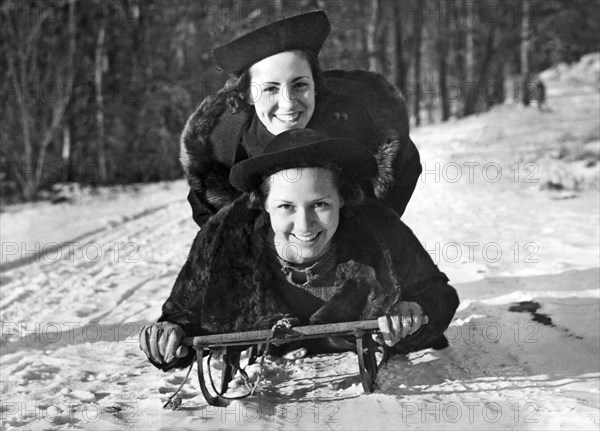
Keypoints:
(418, 36)
(471, 94)
(99, 58)
(40, 118)
(442, 52)
(525, 52)
(484, 66)
(390, 42)
(373, 26)
(66, 153)
(400, 65)
(279, 8)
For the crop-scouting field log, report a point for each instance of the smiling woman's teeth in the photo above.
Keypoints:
(306, 238)
(288, 118)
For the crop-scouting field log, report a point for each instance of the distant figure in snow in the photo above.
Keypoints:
(534, 90)
(541, 94)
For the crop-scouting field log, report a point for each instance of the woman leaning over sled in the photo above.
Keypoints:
(303, 243)
(276, 85)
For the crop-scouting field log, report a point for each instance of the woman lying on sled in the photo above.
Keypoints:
(300, 244)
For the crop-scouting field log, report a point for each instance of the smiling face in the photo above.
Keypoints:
(282, 90)
(304, 208)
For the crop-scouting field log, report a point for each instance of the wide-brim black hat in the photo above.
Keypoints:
(307, 31)
(304, 148)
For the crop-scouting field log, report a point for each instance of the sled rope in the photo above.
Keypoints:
(282, 325)
(174, 401)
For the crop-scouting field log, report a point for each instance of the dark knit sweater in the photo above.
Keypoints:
(306, 289)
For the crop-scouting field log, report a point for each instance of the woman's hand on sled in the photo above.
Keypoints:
(161, 342)
(405, 320)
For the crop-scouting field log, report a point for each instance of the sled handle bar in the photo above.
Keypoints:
(293, 334)
(361, 330)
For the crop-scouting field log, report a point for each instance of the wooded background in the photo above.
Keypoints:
(98, 91)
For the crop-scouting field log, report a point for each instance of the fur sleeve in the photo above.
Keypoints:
(184, 304)
(415, 275)
(385, 112)
(208, 147)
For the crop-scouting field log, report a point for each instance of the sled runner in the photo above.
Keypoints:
(281, 333)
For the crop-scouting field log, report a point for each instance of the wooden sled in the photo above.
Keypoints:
(204, 345)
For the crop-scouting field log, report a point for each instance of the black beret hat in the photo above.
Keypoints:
(306, 31)
(304, 148)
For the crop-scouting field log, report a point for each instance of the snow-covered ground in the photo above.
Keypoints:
(31, 230)
(524, 346)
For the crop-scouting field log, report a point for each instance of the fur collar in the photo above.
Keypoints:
(210, 140)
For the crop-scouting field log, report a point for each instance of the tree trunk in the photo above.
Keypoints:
(471, 85)
(418, 35)
(525, 53)
(399, 57)
(98, 72)
(17, 70)
(483, 89)
(22, 59)
(456, 63)
(66, 154)
(25, 122)
(389, 41)
(372, 45)
(442, 46)
(279, 9)
(60, 107)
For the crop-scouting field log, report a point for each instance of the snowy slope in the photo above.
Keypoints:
(69, 356)
(31, 229)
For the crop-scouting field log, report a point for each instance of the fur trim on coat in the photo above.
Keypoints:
(362, 106)
(226, 285)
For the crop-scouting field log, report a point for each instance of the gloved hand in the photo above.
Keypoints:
(404, 320)
(161, 342)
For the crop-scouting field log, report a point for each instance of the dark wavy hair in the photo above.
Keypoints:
(349, 190)
(237, 89)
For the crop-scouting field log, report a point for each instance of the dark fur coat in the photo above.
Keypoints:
(226, 284)
(357, 104)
